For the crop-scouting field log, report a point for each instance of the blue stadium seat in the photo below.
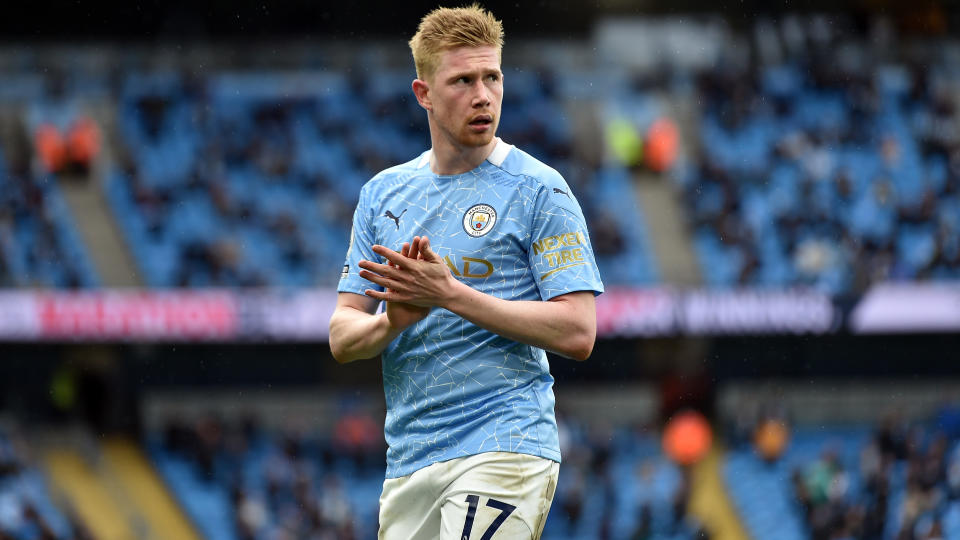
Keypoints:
(328, 143)
(785, 144)
(22, 487)
(40, 245)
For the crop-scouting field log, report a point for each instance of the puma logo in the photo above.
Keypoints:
(396, 219)
(558, 190)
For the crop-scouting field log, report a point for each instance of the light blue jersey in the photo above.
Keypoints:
(510, 228)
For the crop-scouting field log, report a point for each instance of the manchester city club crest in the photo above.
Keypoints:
(479, 220)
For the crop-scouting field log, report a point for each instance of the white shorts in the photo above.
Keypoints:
(494, 495)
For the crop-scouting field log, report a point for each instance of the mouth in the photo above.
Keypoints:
(481, 122)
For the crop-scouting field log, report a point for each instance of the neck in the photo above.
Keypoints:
(448, 158)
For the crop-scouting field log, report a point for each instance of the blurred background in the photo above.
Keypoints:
(773, 194)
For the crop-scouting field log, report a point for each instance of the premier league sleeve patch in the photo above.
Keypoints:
(479, 220)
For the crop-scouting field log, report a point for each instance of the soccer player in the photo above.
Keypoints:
(481, 256)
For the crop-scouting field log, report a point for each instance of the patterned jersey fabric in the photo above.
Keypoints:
(510, 228)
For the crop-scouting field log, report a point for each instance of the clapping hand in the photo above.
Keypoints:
(401, 314)
(422, 281)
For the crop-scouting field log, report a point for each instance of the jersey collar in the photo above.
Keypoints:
(497, 157)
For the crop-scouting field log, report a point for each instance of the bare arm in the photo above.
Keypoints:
(356, 332)
(566, 325)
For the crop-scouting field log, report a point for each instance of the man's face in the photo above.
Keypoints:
(466, 92)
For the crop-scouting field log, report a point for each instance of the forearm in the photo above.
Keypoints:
(566, 324)
(355, 335)
(554, 326)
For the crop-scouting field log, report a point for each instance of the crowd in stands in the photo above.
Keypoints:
(238, 480)
(834, 164)
(65, 138)
(827, 159)
(250, 179)
(39, 243)
(897, 480)
(27, 511)
(616, 483)
(909, 476)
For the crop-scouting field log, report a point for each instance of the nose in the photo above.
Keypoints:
(481, 95)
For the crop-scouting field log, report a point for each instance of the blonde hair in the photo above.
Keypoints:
(448, 28)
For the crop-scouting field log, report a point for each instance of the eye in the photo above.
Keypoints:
(493, 77)
(465, 80)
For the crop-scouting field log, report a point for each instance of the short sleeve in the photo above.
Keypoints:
(362, 240)
(561, 255)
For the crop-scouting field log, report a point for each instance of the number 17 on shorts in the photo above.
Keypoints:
(472, 501)
(489, 496)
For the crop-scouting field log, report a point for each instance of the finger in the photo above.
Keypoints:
(405, 251)
(377, 294)
(392, 256)
(425, 250)
(414, 248)
(388, 270)
(383, 281)
(386, 296)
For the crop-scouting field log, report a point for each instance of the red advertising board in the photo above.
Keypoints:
(137, 315)
(303, 315)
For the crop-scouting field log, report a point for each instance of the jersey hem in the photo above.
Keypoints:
(544, 453)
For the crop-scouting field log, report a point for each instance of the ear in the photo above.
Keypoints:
(422, 90)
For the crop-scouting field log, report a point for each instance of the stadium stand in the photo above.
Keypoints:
(763, 492)
(604, 184)
(892, 479)
(834, 166)
(242, 481)
(39, 244)
(244, 196)
(831, 174)
(27, 509)
(249, 178)
(617, 483)
(238, 480)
